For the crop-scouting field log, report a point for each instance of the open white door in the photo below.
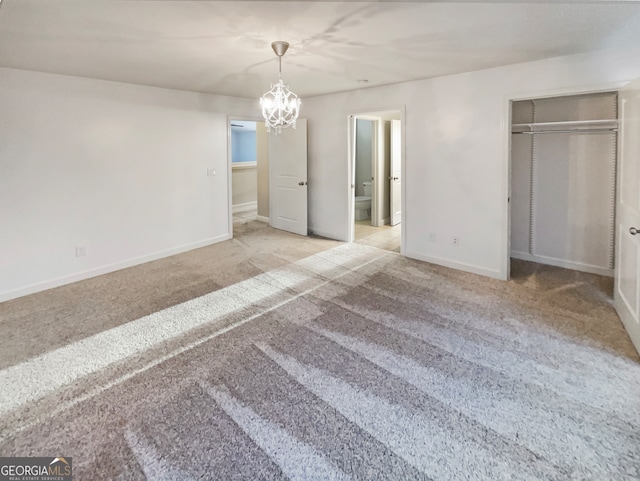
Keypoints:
(396, 169)
(627, 278)
(288, 179)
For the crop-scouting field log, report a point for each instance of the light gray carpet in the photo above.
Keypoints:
(351, 364)
(35, 324)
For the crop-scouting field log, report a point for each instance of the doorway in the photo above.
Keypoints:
(267, 175)
(563, 158)
(376, 161)
(563, 188)
(248, 172)
(621, 105)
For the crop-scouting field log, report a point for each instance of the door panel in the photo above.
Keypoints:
(627, 272)
(627, 279)
(288, 179)
(396, 170)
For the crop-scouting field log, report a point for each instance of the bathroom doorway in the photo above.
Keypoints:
(365, 141)
(375, 160)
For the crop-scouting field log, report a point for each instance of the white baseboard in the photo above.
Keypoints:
(262, 218)
(246, 207)
(552, 261)
(98, 271)
(460, 266)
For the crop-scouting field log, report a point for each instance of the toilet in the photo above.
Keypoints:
(363, 203)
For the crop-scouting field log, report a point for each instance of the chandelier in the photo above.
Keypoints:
(280, 106)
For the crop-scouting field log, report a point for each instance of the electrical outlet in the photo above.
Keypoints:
(81, 251)
(432, 236)
(455, 241)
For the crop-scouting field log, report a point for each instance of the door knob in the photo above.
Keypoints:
(634, 231)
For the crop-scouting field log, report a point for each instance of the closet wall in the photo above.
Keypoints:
(563, 161)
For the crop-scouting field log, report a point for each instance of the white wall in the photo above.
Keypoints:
(244, 187)
(120, 169)
(262, 154)
(456, 147)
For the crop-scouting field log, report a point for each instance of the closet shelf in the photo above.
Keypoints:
(601, 125)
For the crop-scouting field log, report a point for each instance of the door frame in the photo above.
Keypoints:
(230, 118)
(375, 159)
(351, 124)
(393, 165)
(505, 268)
(626, 214)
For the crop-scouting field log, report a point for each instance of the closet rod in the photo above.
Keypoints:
(570, 131)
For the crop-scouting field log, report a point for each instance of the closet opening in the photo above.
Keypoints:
(563, 158)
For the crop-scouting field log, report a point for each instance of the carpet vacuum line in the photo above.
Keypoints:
(192, 345)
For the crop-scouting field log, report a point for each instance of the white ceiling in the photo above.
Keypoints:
(224, 47)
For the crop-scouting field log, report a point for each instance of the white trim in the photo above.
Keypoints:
(566, 91)
(262, 218)
(79, 276)
(460, 266)
(377, 142)
(351, 169)
(505, 265)
(403, 174)
(246, 207)
(552, 261)
(244, 165)
(229, 179)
